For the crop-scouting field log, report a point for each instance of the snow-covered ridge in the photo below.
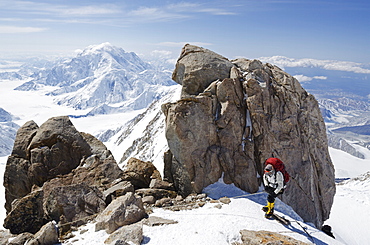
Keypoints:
(143, 136)
(8, 130)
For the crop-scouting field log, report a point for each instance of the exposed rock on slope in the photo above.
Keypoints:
(267, 238)
(55, 173)
(40, 154)
(340, 143)
(232, 116)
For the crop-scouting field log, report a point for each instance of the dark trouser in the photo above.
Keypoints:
(272, 195)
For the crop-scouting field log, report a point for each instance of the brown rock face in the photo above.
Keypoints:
(40, 154)
(56, 173)
(230, 124)
(140, 173)
(27, 215)
(73, 202)
(197, 67)
(122, 211)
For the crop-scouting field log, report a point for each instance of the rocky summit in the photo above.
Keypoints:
(232, 116)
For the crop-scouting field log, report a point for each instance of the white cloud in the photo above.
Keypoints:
(42, 8)
(181, 44)
(115, 14)
(20, 29)
(303, 78)
(320, 77)
(335, 65)
(182, 7)
(182, 10)
(198, 8)
(89, 10)
(162, 53)
(145, 14)
(165, 55)
(215, 11)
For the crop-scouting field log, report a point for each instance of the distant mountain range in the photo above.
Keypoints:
(103, 78)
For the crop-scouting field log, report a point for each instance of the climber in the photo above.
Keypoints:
(275, 178)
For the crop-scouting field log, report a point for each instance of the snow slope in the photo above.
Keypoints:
(350, 213)
(216, 225)
(349, 217)
(143, 137)
(348, 166)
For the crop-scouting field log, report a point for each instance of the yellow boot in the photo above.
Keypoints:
(266, 208)
(270, 209)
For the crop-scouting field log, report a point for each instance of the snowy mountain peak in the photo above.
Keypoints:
(106, 55)
(102, 75)
(103, 47)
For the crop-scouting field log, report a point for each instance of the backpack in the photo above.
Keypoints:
(278, 166)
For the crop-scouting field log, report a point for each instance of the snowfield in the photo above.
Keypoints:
(350, 214)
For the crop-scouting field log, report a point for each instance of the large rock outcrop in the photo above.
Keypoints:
(40, 154)
(56, 173)
(233, 115)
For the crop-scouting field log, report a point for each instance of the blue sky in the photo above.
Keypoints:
(319, 29)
